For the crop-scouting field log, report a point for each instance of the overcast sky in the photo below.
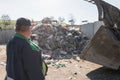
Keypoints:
(38, 9)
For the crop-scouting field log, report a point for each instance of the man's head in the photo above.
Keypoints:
(23, 26)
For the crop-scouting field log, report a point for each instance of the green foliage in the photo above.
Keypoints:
(6, 20)
(12, 24)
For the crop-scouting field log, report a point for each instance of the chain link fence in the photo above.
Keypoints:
(5, 35)
(2, 50)
(2, 55)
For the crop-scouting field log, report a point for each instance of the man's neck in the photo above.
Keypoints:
(22, 33)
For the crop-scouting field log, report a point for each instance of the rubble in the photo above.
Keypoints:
(58, 41)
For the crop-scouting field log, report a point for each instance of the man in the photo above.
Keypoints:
(24, 60)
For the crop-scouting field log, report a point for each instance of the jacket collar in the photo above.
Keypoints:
(20, 36)
(33, 45)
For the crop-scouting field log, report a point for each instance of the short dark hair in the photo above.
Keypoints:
(22, 24)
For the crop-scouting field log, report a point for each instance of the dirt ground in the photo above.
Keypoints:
(69, 69)
(2, 61)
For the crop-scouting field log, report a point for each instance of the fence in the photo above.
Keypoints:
(5, 35)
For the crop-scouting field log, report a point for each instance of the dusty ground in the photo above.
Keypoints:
(69, 69)
(2, 61)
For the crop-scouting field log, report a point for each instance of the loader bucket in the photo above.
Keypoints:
(103, 49)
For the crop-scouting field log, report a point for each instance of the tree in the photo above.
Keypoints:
(61, 19)
(71, 19)
(6, 20)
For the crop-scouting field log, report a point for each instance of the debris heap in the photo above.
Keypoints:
(57, 41)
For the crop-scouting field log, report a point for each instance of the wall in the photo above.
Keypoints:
(97, 25)
(87, 29)
(90, 29)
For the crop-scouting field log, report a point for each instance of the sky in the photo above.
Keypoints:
(38, 9)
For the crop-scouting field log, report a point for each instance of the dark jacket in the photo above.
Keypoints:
(23, 60)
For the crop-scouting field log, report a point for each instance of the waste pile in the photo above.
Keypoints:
(58, 41)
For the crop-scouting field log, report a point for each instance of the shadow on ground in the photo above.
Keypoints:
(104, 74)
